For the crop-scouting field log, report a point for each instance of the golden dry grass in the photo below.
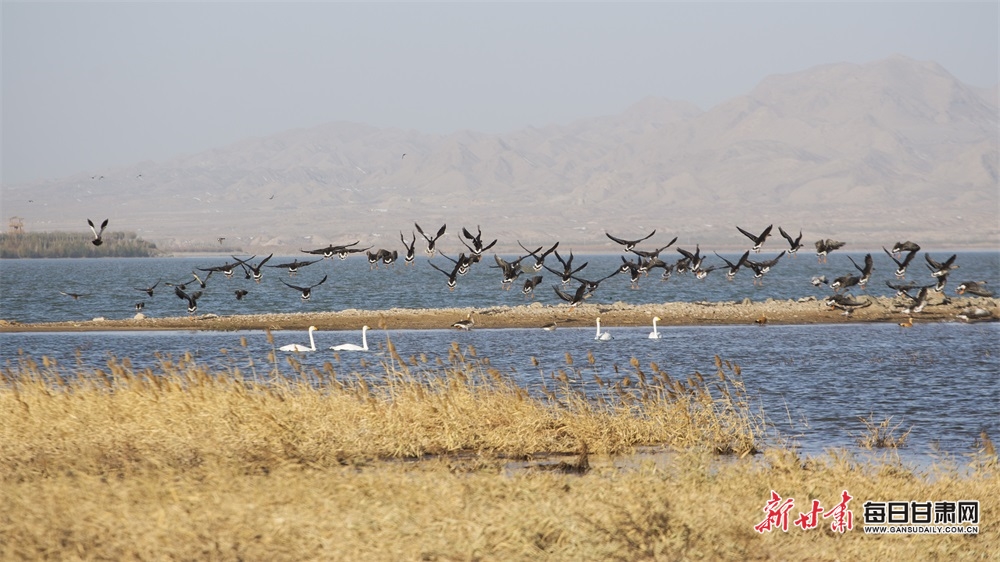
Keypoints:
(183, 463)
(880, 435)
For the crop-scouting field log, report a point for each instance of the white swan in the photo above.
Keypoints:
(352, 346)
(654, 335)
(603, 336)
(300, 347)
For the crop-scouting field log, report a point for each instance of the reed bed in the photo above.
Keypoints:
(182, 462)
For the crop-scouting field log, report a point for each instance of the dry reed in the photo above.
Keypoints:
(880, 435)
(184, 463)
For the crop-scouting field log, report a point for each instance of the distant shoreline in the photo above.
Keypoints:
(579, 251)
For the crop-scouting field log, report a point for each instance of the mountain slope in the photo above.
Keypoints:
(871, 153)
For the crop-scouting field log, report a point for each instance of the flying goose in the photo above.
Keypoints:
(97, 241)
(389, 258)
(463, 262)
(974, 288)
(734, 267)
(192, 299)
(649, 254)
(866, 271)
(530, 284)
(900, 247)
(331, 250)
(593, 285)
(257, 275)
(148, 290)
(919, 302)
(342, 253)
(845, 282)
(794, 244)
(374, 258)
(294, 265)
(582, 293)
(511, 270)
(306, 291)
(567, 273)
(902, 290)
(824, 247)
(703, 272)
(431, 241)
(667, 269)
(694, 260)
(634, 272)
(539, 258)
(646, 264)
(410, 248)
(629, 244)
(901, 265)
(762, 267)
(452, 276)
(757, 239)
(227, 269)
(201, 282)
(941, 268)
(477, 247)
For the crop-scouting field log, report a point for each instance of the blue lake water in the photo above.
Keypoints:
(813, 381)
(31, 288)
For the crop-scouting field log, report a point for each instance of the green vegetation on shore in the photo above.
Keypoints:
(74, 245)
(415, 460)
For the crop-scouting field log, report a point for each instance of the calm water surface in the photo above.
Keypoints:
(814, 382)
(109, 287)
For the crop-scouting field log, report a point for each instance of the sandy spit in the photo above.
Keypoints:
(535, 315)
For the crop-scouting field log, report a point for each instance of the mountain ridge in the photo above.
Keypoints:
(896, 148)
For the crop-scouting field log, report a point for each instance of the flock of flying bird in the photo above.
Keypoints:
(640, 263)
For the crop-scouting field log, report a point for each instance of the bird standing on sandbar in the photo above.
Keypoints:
(466, 324)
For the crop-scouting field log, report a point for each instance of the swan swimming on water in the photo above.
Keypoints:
(602, 336)
(352, 346)
(300, 347)
(655, 335)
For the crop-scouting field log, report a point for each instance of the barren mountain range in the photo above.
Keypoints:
(869, 154)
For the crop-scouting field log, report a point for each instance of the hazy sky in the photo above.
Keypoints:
(88, 86)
